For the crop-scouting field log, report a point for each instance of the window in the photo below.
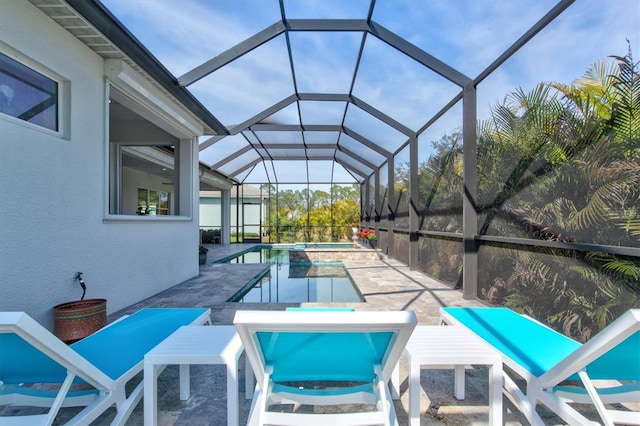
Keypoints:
(144, 180)
(150, 170)
(28, 95)
(152, 151)
(151, 202)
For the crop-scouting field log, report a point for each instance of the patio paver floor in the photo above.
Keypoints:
(386, 285)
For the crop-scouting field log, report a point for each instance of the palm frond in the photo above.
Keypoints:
(625, 118)
(634, 227)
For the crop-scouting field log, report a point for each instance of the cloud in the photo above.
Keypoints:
(248, 85)
(468, 35)
(325, 62)
(326, 9)
(184, 37)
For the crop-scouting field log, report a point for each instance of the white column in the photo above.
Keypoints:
(225, 216)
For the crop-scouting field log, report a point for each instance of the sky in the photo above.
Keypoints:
(467, 35)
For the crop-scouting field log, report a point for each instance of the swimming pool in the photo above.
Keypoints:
(286, 282)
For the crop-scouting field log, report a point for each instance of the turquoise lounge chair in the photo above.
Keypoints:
(549, 362)
(39, 370)
(321, 358)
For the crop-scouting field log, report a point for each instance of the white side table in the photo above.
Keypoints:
(194, 345)
(439, 346)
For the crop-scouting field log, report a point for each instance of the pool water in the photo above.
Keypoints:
(287, 282)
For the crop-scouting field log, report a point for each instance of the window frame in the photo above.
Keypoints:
(183, 156)
(63, 95)
(157, 209)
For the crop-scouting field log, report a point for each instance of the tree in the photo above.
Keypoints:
(308, 215)
(561, 163)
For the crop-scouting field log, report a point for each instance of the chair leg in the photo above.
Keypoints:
(564, 410)
(62, 393)
(126, 408)
(254, 412)
(262, 404)
(524, 404)
(386, 398)
(593, 393)
(394, 383)
(93, 410)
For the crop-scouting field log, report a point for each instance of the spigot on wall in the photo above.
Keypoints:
(82, 284)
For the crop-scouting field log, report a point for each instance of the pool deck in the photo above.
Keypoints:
(386, 284)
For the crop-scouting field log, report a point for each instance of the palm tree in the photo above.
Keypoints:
(575, 151)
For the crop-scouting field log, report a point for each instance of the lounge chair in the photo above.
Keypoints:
(322, 358)
(39, 370)
(559, 370)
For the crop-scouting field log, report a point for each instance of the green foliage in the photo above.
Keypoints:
(562, 163)
(316, 216)
(440, 183)
(209, 234)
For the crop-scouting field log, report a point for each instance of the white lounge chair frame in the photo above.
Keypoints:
(546, 388)
(106, 391)
(249, 323)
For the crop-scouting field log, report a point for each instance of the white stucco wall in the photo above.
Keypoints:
(52, 195)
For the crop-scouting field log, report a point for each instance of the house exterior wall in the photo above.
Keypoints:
(53, 194)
